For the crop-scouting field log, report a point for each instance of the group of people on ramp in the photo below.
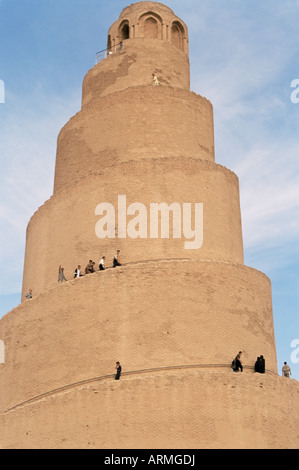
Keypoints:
(90, 267)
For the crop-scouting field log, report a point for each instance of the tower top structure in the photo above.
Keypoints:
(148, 38)
(149, 20)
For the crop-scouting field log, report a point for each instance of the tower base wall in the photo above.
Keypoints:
(168, 410)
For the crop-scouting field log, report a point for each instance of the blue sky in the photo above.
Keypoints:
(243, 57)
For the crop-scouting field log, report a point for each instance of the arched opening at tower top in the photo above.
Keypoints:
(151, 28)
(109, 45)
(125, 32)
(150, 25)
(177, 35)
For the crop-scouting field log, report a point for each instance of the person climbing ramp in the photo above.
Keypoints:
(237, 364)
(118, 370)
(61, 276)
(116, 261)
(155, 80)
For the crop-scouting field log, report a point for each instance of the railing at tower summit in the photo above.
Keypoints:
(109, 51)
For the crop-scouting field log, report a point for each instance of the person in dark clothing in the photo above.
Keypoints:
(237, 364)
(118, 371)
(102, 264)
(89, 268)
(77, 272)
(260, 365)
(116, 259)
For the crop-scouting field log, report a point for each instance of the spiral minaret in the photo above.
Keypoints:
(173, 314)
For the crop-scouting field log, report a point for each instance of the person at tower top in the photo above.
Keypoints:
(155, 80)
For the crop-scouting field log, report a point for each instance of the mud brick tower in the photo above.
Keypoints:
(174, 316)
